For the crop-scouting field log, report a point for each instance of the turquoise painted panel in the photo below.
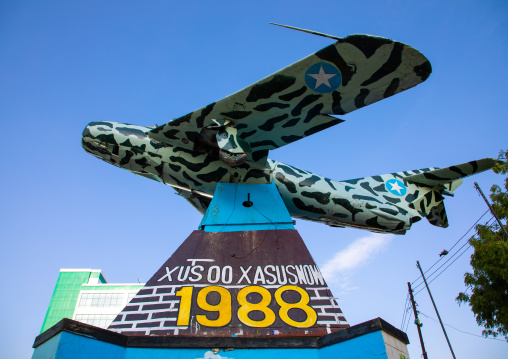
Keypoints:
(370, 346)
(143, 353)
(74, 346)
(48, 349)
(71, 346)
(227, 212)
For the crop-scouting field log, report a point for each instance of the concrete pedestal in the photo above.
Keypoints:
(246, 272)
(375, 339)
(242, 286)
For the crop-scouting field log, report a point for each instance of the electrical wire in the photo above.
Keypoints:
(440, 258)
(403, 315)
(465, 250)
(443, 270)
(407, 309)
(408, 321)
(404, 312)
(448, 325)
(444, 263)
(420, 277)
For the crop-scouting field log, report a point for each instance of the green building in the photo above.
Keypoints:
(86, 296)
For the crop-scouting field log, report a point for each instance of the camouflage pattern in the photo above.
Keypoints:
(229, 140)
(362, 203)
(298, 100)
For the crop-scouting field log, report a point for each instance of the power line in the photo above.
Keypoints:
(441, 266)
(445, 268)
(404, 312)
(454, 246)
(448, 325)
(450, 257)
(406, 317)
(465, 250)
(440, 258)
(408, 321)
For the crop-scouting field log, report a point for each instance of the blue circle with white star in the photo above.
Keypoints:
(323, 77)
(396, 187)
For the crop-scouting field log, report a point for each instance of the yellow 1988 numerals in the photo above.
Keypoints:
(224, 307)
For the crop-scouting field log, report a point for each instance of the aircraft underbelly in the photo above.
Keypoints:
(316, 198)
(306, 195)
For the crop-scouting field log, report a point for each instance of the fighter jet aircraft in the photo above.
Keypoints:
(229, 140)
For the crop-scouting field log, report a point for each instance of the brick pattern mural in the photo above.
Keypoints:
(235, 283)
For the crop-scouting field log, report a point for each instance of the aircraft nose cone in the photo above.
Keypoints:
(86, 132)
(98, 139)
(86, 139)
(93, 129)
(89, 139)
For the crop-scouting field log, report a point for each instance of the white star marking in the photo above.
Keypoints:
(395, 187)
(322, 78)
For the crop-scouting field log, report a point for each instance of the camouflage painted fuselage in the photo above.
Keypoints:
(229, 140)
(362, 203)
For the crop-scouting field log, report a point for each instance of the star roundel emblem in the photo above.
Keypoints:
(323, 77)
(396, 187)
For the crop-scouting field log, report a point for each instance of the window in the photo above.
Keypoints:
(97, 320)
(130, 296)
(100, 300)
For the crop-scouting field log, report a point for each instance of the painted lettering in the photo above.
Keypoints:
(295, 278)
(184, 277)
(301, 274)
(213, 278)
(227, 275)
(274, 279)
(198, 275)
(168, 274)
(259, 277)
(245, 273)
(281, 272)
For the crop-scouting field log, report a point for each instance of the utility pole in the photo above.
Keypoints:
(417, 321)
(491, 210)
(435, 308)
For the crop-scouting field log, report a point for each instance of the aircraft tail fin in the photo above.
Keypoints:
(437, 216)
(428, 201)
(433, 184)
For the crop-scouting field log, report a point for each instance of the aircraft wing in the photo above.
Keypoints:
(299, 100)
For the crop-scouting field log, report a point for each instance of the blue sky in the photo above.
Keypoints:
(64, 64)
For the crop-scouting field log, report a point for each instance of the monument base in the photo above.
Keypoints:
(70, 339)
(245, 272)
(243, 283)
(242, 286)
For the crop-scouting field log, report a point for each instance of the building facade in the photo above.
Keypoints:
(86, 296)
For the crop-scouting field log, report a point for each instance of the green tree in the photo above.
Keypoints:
(489, 281)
